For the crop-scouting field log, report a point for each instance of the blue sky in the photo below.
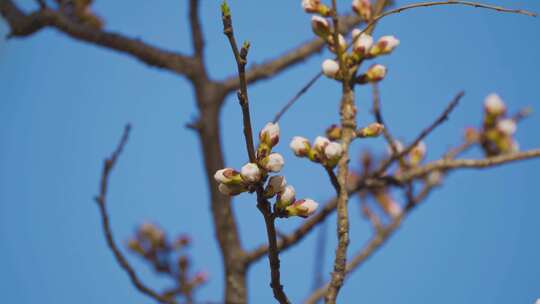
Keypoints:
(63, 105)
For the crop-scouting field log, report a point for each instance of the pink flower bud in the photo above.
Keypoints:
(227, 176)
(274, 162)
(300, 146)
(362, 42)
(330, 68)
(270, 134)
(251, 173)
(315, 7)
(384, 45)
(231, 190)
(333, 151)
(320, 26)
(507, 126)
(362, 8)
(494, 105)
(375, 73)
(302, 208)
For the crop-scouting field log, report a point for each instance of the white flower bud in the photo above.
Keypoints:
(287, 196)
(227, 175)
(274, 162)
(494, 105)
(300, 146)
(251, 173)
(384, 45)
(362, 44)
(330, 68)
(507, 126)
(375, 73)
(362, 8)
(270, 134)
(231, 190)
(315, 6)
(276, 184)
(320, 26)
(320, 143)
(333, 151)
(302, 208)
(372, 130)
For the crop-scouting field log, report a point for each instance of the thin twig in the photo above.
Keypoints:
(297, 96)
(440, 119)
(101, 199)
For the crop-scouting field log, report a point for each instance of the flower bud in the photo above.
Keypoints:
(362, 8)
(362, 43)
(342, 43)
(320, 26)
(231, 190)
(315, 7)
(507, 126)
(302, 208)
(300, 146)
(153, 233)
(285, 198)
(320, 143)
(333, 152)
(494, 105)
(384, 45)
(135, 246)
(330, 68)
(375, 73)
(270, 134)
(418, 153)
(273, 162)
(372, 130)
(275, 185)
(228, 176)
(251, 173)
(333, 132)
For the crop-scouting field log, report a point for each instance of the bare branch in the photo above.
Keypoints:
(101, 199)
(22, 25)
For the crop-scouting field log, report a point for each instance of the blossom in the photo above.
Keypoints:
(494, 105)
(270, 134)
(330, 68)
(300, 146)
(362, 8)
(375, 73)
(227, 176)
(507, 126)
(320, 26)
(274, 162)
(320, 143)
(384, 45)
(362, 42)
(333, 151)
(276, 184)
(302, 208)
(251, 173)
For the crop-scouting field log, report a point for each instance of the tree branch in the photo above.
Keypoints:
(22, 25)
(101, 200)
(196, 31)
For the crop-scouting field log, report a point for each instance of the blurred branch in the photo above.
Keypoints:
(101, 199)
(22, 25)
(196, 31)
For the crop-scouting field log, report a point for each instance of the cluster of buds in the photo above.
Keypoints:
(231, 182)
(322, 151)
(372, 130)
(251, 175)
(496, 134)
(168, 257)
